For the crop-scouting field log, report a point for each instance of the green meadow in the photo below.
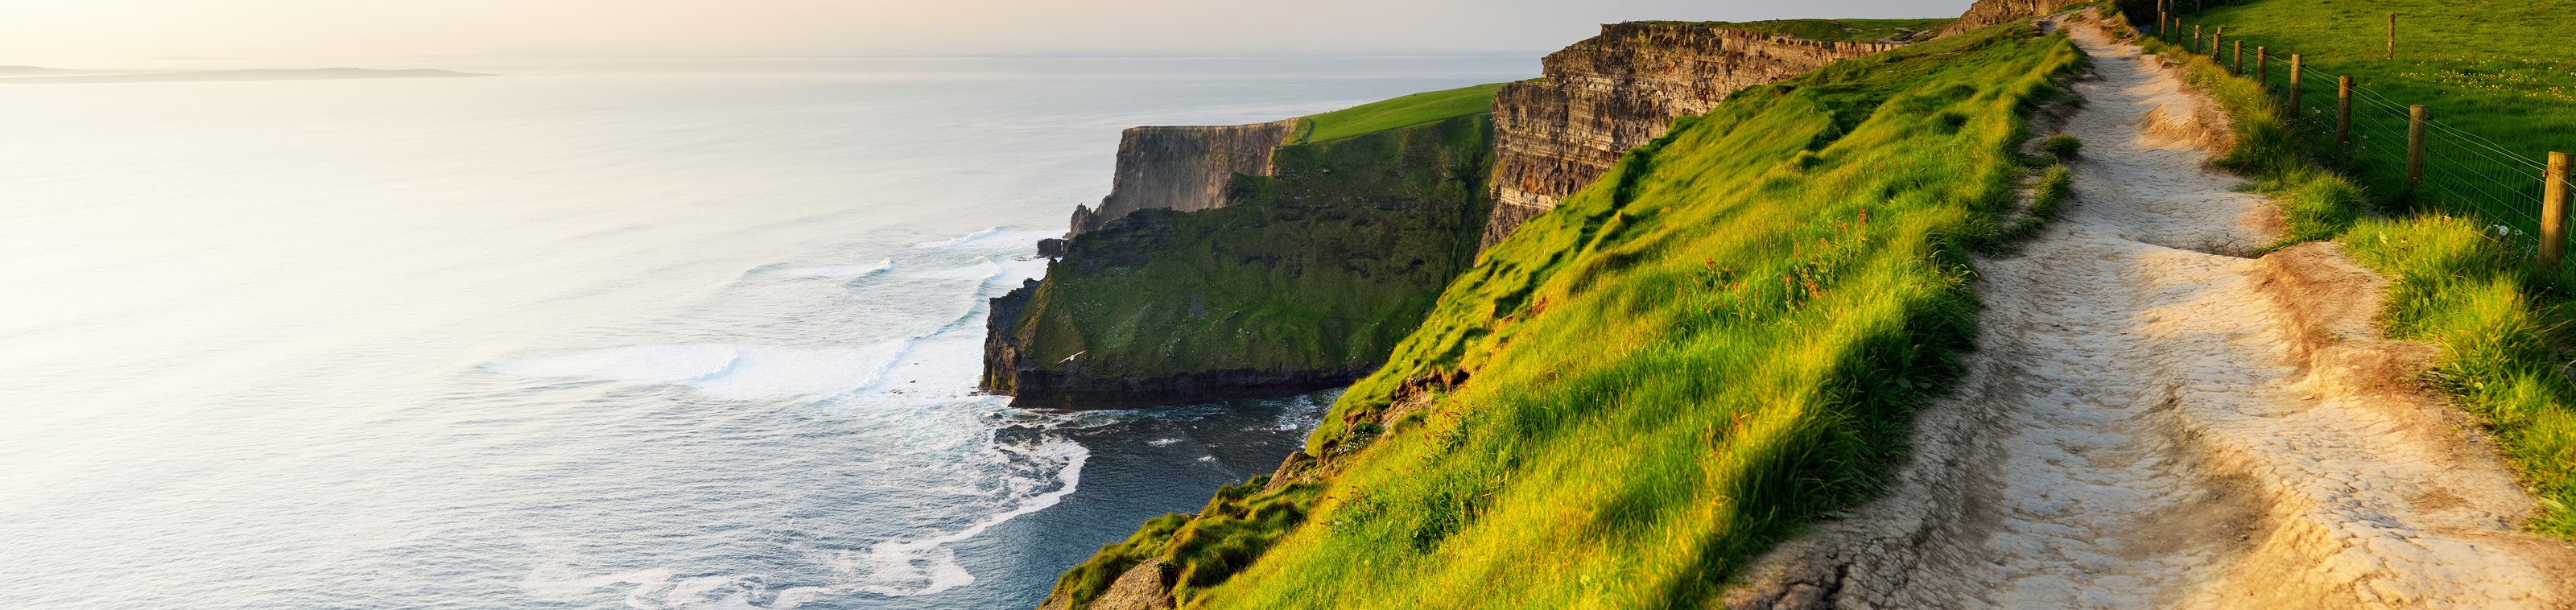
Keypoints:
(1406, 111)
(2501, 71)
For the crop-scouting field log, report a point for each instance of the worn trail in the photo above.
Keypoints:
(2153, 420)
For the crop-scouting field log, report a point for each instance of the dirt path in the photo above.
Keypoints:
(2153, 421)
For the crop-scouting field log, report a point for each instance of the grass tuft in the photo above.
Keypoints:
(2063, 146)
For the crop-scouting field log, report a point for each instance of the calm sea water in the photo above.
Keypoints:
(651, 334)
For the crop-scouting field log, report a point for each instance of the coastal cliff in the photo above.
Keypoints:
(1300, 277)
(1182, 168)
(1605, 95)
(1617, 407)
(1993, 12)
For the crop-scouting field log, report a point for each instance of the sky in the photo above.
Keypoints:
(126, 30)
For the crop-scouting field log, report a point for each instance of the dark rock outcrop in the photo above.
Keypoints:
(1623, 88)
(1182, 168)
(1139, 588)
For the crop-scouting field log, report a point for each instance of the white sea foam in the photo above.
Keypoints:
(927, 566)
(1303, 412)
(794, 373)
(720, 371)
(1014, 270)
(995, 238)
(960, 240)
(642, 364)
(891, 568)
(554, 579)
(981, 269)
(939, 368)
(834, 271)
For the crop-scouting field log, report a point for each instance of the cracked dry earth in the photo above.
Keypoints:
(2153, 420)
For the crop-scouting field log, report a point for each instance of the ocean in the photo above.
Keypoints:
(587, 334)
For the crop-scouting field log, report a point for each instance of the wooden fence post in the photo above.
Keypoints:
(2294, 87)
(2217, 43)
(2262, 67)
(2416, 117)
(2553, 212)
(2237, 67)
(2392, 36)
(2195, 38)
(2343, 111)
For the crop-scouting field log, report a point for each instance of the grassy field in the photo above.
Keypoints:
(1314, 273)
(2503, 71)
(1403, 111)
(1860, 30)
(2501, 321)
(1718, 341)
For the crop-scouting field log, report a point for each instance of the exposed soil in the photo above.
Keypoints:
(2153, 420)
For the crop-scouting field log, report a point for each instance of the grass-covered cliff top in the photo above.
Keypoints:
(1720, 339)
(1846, 30)
(1403, 111)
(1303, 279)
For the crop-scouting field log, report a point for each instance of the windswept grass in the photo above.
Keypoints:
(1403, 111)
(2457, 286)
(2499, 320)
(1718, 341)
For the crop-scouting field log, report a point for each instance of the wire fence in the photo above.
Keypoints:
(2462, 173)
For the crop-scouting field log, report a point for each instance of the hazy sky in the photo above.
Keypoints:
(37, 30)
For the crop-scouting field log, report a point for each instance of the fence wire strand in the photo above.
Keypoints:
(2463, 172)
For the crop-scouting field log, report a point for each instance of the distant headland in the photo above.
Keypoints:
(14, 75)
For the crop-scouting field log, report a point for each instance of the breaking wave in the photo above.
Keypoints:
(891, 568)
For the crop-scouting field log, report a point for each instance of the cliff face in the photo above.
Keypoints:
(1298, 280)
(1990, 12)
(1612, 92)
(1182, 168)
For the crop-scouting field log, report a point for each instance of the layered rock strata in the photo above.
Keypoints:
(1607, 94)
(1182, 168)
(1991, 12)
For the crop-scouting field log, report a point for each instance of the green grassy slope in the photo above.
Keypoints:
(1860, 30)
(2501, 321)
(1312, 274)
(2502, 70)
(1403, 111)
(1622, 402)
